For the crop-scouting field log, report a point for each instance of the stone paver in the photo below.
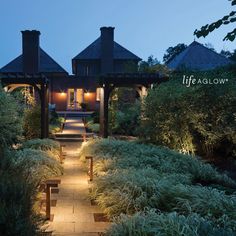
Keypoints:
(73, 214)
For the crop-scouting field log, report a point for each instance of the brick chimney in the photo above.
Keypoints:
(107, 49)
(31, 51)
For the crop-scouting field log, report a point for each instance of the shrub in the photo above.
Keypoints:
(127, 119)
(198, 119)
(124, 112)
(11, 122)
(54, 128)
(55, 122)
(151, 223)
(132, 177)
(36, 165)
(51, 147)
(133, 190)
(94, 127)
(123, 154)
(18, 196)
(32, 117)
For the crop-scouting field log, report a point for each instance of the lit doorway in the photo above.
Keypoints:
(75, 98)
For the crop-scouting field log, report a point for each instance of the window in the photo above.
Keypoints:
(98, 94)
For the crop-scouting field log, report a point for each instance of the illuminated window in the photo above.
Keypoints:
(98, 94)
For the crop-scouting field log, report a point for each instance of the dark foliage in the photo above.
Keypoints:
(171, 52)
(228, 19)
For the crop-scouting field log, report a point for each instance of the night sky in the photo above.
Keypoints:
(144, 27)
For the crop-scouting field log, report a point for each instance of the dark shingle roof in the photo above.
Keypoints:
(93, 51)
(198, 57)
(47, 65)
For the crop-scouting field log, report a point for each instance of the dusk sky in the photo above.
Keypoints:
(144, 27)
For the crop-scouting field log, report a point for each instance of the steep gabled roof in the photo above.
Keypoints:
(198, 57)
(47, 65)
(93, 51)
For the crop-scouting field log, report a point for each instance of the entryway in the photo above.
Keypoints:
(75, 98)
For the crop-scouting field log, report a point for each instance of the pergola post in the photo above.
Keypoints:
(44, 110)
(104, 100)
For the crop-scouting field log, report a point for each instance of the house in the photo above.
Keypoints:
(72, 92)
(197, 57)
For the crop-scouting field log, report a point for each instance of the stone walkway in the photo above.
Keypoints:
(74, 126)
(74, 214)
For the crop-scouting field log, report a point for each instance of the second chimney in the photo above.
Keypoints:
(107, 49)
(31, 51)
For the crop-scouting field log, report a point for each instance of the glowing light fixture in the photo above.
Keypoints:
(86, 92)
(62, 93)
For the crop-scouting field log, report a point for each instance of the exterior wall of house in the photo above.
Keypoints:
(90, 99)
(93, 68)
(60, 100)
(59, 95)
(88, 68)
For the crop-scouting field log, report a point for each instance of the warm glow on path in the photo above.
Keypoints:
(74, 214)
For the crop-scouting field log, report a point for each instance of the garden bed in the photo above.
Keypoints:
(150, 190)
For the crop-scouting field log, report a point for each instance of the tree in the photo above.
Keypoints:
(152, 65)
(152, 61)
(210, 46)
(171, 52)
(144, 66)
(228, 54)
(228, 19)
(233, 55)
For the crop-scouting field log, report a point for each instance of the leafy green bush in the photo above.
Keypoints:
(124, 112)
(94, 127)
(54, 128)
(32, 117)
(198, 119)
(151, 223)
(16, 215)
(127, 119)
(55, 122)
(121, 154)
(21, 173)
(132, 177)
(35, 165)
(11, 122)
(18, 195)
(133, 190)
(51, 147)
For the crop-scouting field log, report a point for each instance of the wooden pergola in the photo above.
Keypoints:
(113, 80)
(40, 84)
